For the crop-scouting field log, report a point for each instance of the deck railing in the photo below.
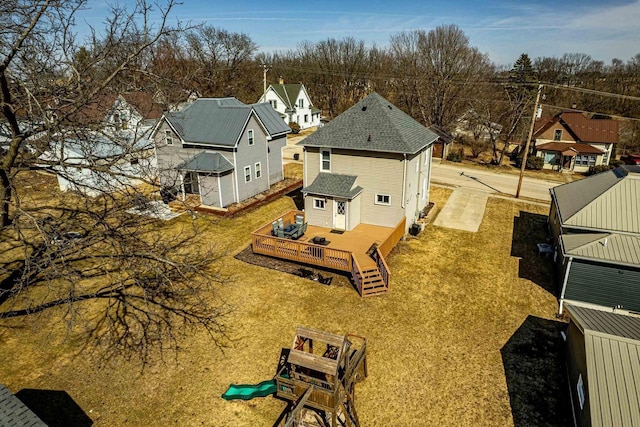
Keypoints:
(382, 266)
(356, 274)
(309, 253)
(393, 239)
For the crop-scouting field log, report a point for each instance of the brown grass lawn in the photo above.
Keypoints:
(435, 340)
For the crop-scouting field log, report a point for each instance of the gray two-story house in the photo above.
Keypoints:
(370, 165)
(220, 149)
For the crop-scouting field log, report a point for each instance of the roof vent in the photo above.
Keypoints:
(364, 108)
(389, 107)
(604, 242)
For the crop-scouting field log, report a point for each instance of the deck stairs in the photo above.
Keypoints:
(373, 283)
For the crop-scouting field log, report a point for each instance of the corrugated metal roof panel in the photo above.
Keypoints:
(613, 370)
(621, 248)
(605, 322)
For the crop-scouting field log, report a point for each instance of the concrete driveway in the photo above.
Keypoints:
(491, 182)
(464, 210)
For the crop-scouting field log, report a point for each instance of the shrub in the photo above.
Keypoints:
(533, 162)
(295, 128)
(455, 155)
(614, 163)
(598, 169)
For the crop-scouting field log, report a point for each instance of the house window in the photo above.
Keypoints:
(258, 170)
(250, 135)
(580, 388)
(325, 160)
(274, 104)
(557, 135)
(383, 199)
(605, 157)
(585, 160)
(168, 138)
(247, 173)
(306, 118)
(301, 103)
(318, 204)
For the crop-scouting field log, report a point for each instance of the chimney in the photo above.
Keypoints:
(281, 80)
(574, 105)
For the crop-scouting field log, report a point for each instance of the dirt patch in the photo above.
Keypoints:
(309, 272)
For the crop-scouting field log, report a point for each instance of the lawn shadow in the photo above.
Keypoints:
(529, 229)
(536, 378)
(54, 407)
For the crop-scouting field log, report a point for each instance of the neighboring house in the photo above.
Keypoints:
(117, 154)
(293, 104)
(572, 141)
(100, 164)
(603, 367)
(221, 150)
(370, 165)
(595, 224)
(443, 143)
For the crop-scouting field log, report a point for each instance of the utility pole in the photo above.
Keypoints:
(526, 147)
(264, 78)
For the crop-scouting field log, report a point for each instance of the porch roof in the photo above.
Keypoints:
(206, 162)
(334, 185)
(565, 146)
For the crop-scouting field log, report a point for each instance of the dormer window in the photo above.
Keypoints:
(557, 135)
(250, 136)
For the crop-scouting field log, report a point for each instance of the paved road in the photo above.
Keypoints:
(491, 182)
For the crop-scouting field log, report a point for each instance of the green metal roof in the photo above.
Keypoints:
(373, 124)
(334, 185)
(608, 201)
(607, 247)
(612, 348)
(221, 121)
(207, 162)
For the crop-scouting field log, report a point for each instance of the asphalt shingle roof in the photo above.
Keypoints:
(373, 124)
(335, 185)
(14, 413)
(220, 121)
(206, 162)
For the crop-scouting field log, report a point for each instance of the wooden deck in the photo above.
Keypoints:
(346, 251)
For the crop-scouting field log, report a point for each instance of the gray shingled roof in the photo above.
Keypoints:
(14, 413)
(373, 124)
(334, 185)
(606, 201)
(612, 348)
(206, 162)
(220, 121)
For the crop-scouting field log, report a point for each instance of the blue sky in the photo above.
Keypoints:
(502, 29)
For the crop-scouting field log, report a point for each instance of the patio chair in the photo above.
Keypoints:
(274, 228)
(280, 223)
(299, 219)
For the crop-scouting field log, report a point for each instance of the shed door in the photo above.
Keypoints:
(340, 215)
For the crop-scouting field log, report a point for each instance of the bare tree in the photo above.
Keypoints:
(57, 254)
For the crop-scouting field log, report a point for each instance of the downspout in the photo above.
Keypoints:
(404, 180)
(184, 196)
(219, 191)
(564, 285)
(304, 177)
(235, 173)
(430, 156)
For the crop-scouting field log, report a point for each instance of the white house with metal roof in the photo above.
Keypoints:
(596, 229)
(370, 165)
(293, 104)
(603, 367)
(221, 150)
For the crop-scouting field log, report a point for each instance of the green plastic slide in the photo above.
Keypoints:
(249, 391)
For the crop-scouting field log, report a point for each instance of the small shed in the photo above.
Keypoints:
(603, 365)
